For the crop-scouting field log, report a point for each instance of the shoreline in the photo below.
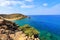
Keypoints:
(12, 17)
(19, 18)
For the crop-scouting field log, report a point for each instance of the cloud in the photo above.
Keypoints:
(2, 0)
(29, 0)
(21, 4)
(55, 10)
(27, 6)
(4, 3)
(45, 4)
(7, 3)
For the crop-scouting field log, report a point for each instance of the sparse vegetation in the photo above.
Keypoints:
(12, 16)
(29, 30)
(10, 31)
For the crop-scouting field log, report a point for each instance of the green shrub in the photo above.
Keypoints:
(29, 30)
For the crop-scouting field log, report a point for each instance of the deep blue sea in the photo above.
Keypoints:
(50, 23)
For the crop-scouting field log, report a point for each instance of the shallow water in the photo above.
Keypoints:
(45, 23)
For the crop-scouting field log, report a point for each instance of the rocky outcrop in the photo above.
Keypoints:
(10, 31)
(7, 28)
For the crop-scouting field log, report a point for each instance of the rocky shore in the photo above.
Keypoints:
(11, 31)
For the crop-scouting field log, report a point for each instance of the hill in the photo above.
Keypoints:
(12, 17)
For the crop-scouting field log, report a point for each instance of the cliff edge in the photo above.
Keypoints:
(11, 31)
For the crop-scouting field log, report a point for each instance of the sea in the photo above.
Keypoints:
(44, 24)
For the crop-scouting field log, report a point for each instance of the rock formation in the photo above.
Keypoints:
(7, 28)
(10, 31)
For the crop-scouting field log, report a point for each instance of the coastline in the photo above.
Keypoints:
(12, 19)
(10, 30)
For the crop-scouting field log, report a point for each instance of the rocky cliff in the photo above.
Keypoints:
(11, 31)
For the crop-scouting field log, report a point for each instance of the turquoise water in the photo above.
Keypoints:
(45, 24)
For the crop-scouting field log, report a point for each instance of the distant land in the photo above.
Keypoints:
(11, 17)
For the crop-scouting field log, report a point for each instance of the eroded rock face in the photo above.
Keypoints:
(7, 30)
(10, 31)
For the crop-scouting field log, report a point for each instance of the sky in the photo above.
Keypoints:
(30, 7)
